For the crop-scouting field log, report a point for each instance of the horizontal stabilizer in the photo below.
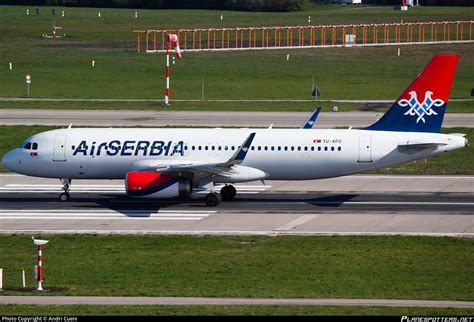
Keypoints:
(421, 146)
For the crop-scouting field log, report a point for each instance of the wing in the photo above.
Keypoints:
(199, 169)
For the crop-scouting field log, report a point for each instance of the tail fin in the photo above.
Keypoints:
(422, 105)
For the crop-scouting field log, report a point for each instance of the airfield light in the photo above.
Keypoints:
(28, 82)
(39, 274)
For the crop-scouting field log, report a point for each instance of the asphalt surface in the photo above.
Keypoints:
(103, 300)
(200, 118)
(354, 205)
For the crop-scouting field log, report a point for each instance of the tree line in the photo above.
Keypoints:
(242, 5)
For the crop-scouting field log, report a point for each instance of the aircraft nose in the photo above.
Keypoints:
(8, 160)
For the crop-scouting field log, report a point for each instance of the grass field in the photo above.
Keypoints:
(224, 310)
(252, 266)
(456, 162)
(61, 68)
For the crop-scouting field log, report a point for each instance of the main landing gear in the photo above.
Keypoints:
(227, 193)
(212, 199)
(64, 197)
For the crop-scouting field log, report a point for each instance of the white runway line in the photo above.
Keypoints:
(104, 188)
(295, 223)
(69, 214)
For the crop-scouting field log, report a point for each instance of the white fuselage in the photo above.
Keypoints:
(276, 154)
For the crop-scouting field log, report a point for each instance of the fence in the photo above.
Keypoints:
(307, 36)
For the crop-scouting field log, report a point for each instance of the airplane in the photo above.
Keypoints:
(177, 162)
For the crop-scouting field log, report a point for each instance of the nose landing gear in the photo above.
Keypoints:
(64, 197)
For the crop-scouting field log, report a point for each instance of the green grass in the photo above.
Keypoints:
(309, 267)
(456, 162)
(61, 68)
(295, 106)
(14, 310)
(185, 106)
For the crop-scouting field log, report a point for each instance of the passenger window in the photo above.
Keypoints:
(319, 148)
(339, 149)
(253, 148)
(299, 148)
(332, 148)
(325, 148)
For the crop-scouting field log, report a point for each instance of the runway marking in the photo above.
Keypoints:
(54, 188)
(295, 223)
(69, 214)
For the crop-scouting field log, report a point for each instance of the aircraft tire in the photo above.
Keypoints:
(64, 197)
(228, 193)
(213, 199)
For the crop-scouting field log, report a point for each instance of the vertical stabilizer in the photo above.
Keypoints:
(422, 105)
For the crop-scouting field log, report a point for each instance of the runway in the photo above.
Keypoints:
(353, 205)
(139, 300)
(200, 118)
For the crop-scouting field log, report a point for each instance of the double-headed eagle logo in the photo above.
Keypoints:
(420, 109)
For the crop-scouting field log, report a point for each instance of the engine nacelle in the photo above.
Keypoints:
(156, 185)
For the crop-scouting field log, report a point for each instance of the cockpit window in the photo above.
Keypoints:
(35, 146)
(28, 146)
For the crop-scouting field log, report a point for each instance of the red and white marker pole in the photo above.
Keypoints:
(40, 268)
(171, 39)
(39, 272)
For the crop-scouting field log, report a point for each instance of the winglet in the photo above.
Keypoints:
(240, 154)
(312, 119)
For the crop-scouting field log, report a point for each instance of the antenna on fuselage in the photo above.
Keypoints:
(70, 126)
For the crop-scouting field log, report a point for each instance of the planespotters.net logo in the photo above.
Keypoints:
(437, 319)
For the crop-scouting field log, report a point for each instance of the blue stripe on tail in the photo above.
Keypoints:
(412, 116)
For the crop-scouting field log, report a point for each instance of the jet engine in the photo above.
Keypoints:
(156, 185)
